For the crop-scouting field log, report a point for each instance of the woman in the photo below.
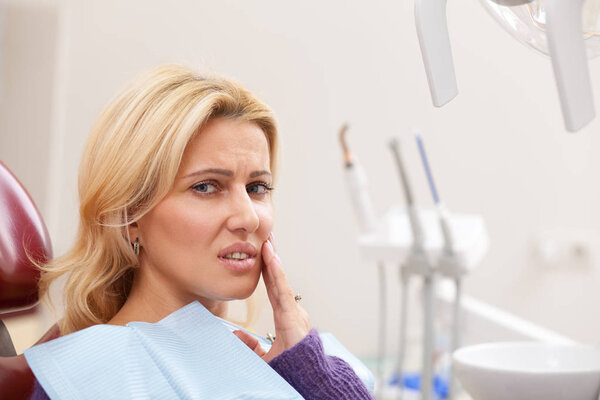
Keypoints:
(175, 185)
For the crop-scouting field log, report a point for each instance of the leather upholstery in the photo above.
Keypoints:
(16, 379)
(22, 232)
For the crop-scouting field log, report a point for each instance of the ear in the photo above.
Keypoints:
(133, 231)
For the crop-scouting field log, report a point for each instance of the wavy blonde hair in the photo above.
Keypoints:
(129, 164)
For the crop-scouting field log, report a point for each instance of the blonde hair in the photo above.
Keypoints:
(129, 164)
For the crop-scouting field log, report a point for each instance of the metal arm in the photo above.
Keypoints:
(567, 50)
(432, 29)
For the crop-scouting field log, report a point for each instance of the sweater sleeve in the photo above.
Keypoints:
(316, 375)
(38, 392)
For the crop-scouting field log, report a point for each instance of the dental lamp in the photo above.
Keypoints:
(557, 21)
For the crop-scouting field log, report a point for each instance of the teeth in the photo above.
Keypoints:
(237, 256)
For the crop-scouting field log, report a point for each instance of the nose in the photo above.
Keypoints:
(243, 216)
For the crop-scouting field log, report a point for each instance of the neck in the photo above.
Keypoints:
(149, 301)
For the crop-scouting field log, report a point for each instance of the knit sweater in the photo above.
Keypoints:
(315, 375)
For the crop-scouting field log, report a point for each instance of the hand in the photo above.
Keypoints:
(291, 321)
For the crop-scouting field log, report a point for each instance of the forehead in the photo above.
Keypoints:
(227, 143)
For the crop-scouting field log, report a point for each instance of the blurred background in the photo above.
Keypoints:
(498, 150)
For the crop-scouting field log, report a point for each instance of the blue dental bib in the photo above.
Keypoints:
(189, 354)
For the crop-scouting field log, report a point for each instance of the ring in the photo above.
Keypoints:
(298, 297)
(270, 337)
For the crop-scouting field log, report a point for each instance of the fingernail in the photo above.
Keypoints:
(271, 237)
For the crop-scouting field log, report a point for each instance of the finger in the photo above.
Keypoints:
(269, 258)
(277, 280)
(272, 240)
(251, 342)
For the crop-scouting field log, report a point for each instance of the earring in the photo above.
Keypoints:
(136, 247)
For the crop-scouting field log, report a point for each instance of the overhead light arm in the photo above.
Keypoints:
(432, 29)
(564, 29)
(567, 50)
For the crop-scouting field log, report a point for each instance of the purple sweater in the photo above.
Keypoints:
(315, 375)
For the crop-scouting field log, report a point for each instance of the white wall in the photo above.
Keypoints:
(27, 67)
(499, 149)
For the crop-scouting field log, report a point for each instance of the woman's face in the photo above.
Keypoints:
(203, 240)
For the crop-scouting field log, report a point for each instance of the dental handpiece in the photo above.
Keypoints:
(415, 224)
(358, 186)
(363, 208)
(442, 212)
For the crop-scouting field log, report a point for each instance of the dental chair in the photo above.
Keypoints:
(23, 236)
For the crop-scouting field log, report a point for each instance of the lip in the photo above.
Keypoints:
(238, 265)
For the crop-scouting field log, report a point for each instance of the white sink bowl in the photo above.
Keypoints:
(529, 371)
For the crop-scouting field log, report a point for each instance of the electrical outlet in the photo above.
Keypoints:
(567, 247)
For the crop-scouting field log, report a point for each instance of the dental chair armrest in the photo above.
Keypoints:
(16, 378)
(7, 349)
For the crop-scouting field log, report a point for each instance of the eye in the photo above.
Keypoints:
(206, 187)
(258, 188)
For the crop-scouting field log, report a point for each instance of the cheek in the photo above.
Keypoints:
(265, 216)
(171, 226)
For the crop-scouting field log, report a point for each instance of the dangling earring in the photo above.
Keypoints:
(136, 247)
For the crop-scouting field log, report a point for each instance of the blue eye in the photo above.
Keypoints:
(206, 187)
(259, 188)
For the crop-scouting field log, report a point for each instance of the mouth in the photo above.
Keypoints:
(239, 257)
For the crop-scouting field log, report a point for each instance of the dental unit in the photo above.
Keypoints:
(432, 243)
(561, 20)
(356, 180)
(421, 241)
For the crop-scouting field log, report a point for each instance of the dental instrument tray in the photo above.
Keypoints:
(392, 239)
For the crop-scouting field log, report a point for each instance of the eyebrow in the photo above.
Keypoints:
(224, 172)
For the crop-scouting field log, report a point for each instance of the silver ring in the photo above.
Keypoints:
(298, 297)
(270, 337)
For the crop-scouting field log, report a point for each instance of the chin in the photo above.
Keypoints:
(239, 292)
(245, 293)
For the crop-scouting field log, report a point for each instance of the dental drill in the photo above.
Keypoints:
(417, 256)
(356, 179)
(358, 186)
(448, 264)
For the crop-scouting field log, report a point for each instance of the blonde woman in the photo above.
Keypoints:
(176, 209)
